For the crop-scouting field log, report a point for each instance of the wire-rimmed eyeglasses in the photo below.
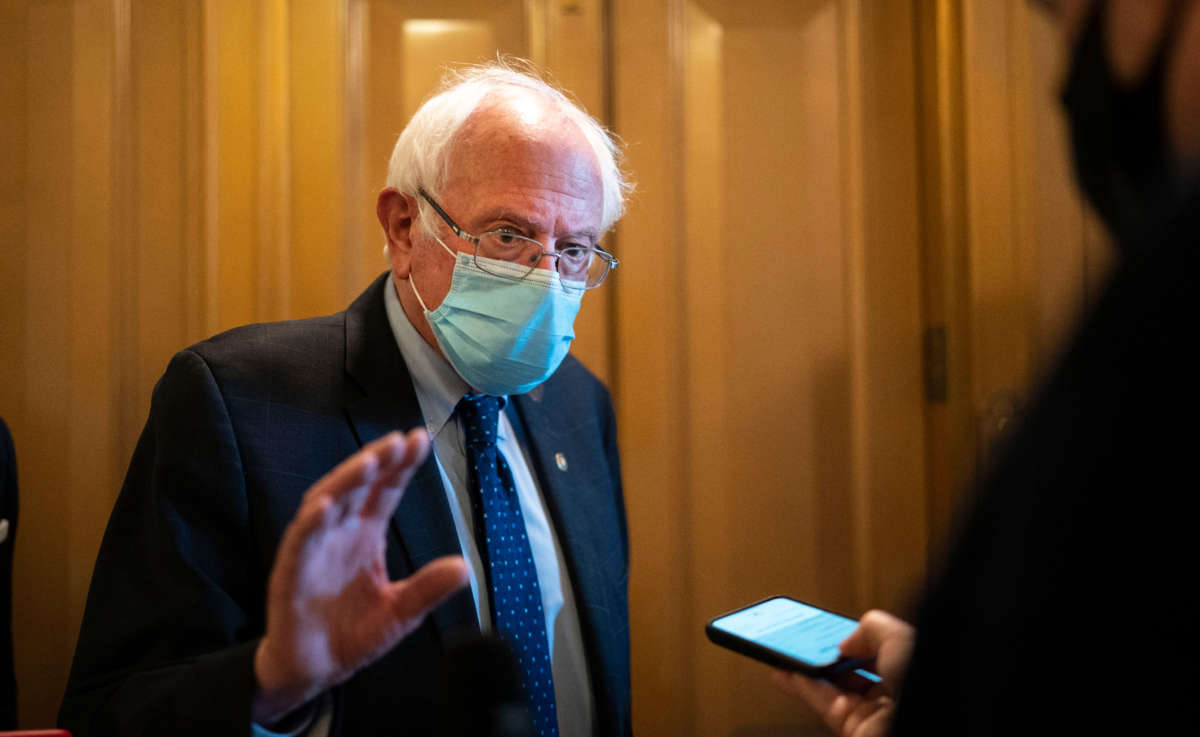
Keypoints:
(576, 264)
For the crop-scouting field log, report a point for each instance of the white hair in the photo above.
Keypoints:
(421, 156)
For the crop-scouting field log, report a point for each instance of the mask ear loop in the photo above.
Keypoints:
(413, 286)
(420, 301)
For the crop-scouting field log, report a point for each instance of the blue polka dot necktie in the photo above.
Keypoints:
(512, 578)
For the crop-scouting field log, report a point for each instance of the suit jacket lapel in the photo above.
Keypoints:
(422, 524)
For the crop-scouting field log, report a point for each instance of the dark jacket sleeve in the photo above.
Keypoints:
(175, 606)
(624, 688)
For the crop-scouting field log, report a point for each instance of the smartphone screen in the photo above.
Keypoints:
(795, 629)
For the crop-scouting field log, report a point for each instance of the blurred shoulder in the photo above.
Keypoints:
(291, 358)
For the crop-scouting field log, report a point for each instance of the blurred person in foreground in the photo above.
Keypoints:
(245, 587)
(1065, 603)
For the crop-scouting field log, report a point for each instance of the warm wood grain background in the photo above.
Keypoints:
(820, 182)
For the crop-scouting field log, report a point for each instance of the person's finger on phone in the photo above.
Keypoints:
(886, 638)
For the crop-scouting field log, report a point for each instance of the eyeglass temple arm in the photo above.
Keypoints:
(611, 259)
(449, 221)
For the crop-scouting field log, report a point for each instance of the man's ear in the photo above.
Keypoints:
(396, 212)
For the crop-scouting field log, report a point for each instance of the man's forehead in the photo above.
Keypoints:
(528, 151)
(518, 124)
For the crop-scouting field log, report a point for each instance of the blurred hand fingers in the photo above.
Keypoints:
(874, 629)
(417, 595)
(820, 695)
(395, 475)
(359, 470)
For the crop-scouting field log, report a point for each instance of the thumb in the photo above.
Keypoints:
(415, 596)
(873, 630)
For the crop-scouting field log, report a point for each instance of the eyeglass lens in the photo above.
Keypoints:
(574, 264)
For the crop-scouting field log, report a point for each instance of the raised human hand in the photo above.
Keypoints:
(331, 608)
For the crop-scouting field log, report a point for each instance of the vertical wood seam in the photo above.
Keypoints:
(854, 258)
(211, 41)
(124, 267)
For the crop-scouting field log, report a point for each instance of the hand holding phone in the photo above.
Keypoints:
(886, 639)
(792, 635)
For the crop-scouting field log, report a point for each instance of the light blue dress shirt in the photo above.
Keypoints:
(439, 389)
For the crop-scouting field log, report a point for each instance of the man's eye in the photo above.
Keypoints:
(507, 237)
(574, 252)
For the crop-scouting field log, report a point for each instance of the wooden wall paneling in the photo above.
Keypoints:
(206, 310)
(649, 296)
(800, 343)
(1029, 263)
(574, 49)
(784, 266)
(360, 244)
(536, 30)
(195, 215)
(119, 345)
(384, 116)
(14, 39)
(888, 444)
(164, 205)
(232, 44)
(1030, 241)
(710, 438)
(43, 560)
(273, 174)
(1008, 265)
(511, 22)
(432, 45)
(100, 311)
(1000, 310)
(998, 317)
(320, 274)
(950, 445)
(781, 511)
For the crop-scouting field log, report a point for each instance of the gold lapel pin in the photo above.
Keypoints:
(560, 460)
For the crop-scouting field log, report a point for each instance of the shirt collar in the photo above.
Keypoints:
(438, 386)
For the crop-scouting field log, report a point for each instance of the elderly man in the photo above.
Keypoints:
(242, 584)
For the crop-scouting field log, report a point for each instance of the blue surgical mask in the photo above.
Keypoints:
(503, 336)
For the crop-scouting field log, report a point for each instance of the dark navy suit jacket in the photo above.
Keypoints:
(240, 426)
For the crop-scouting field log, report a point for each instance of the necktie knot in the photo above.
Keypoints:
(480, 416)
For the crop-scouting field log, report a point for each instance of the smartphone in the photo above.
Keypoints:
(796, 636)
